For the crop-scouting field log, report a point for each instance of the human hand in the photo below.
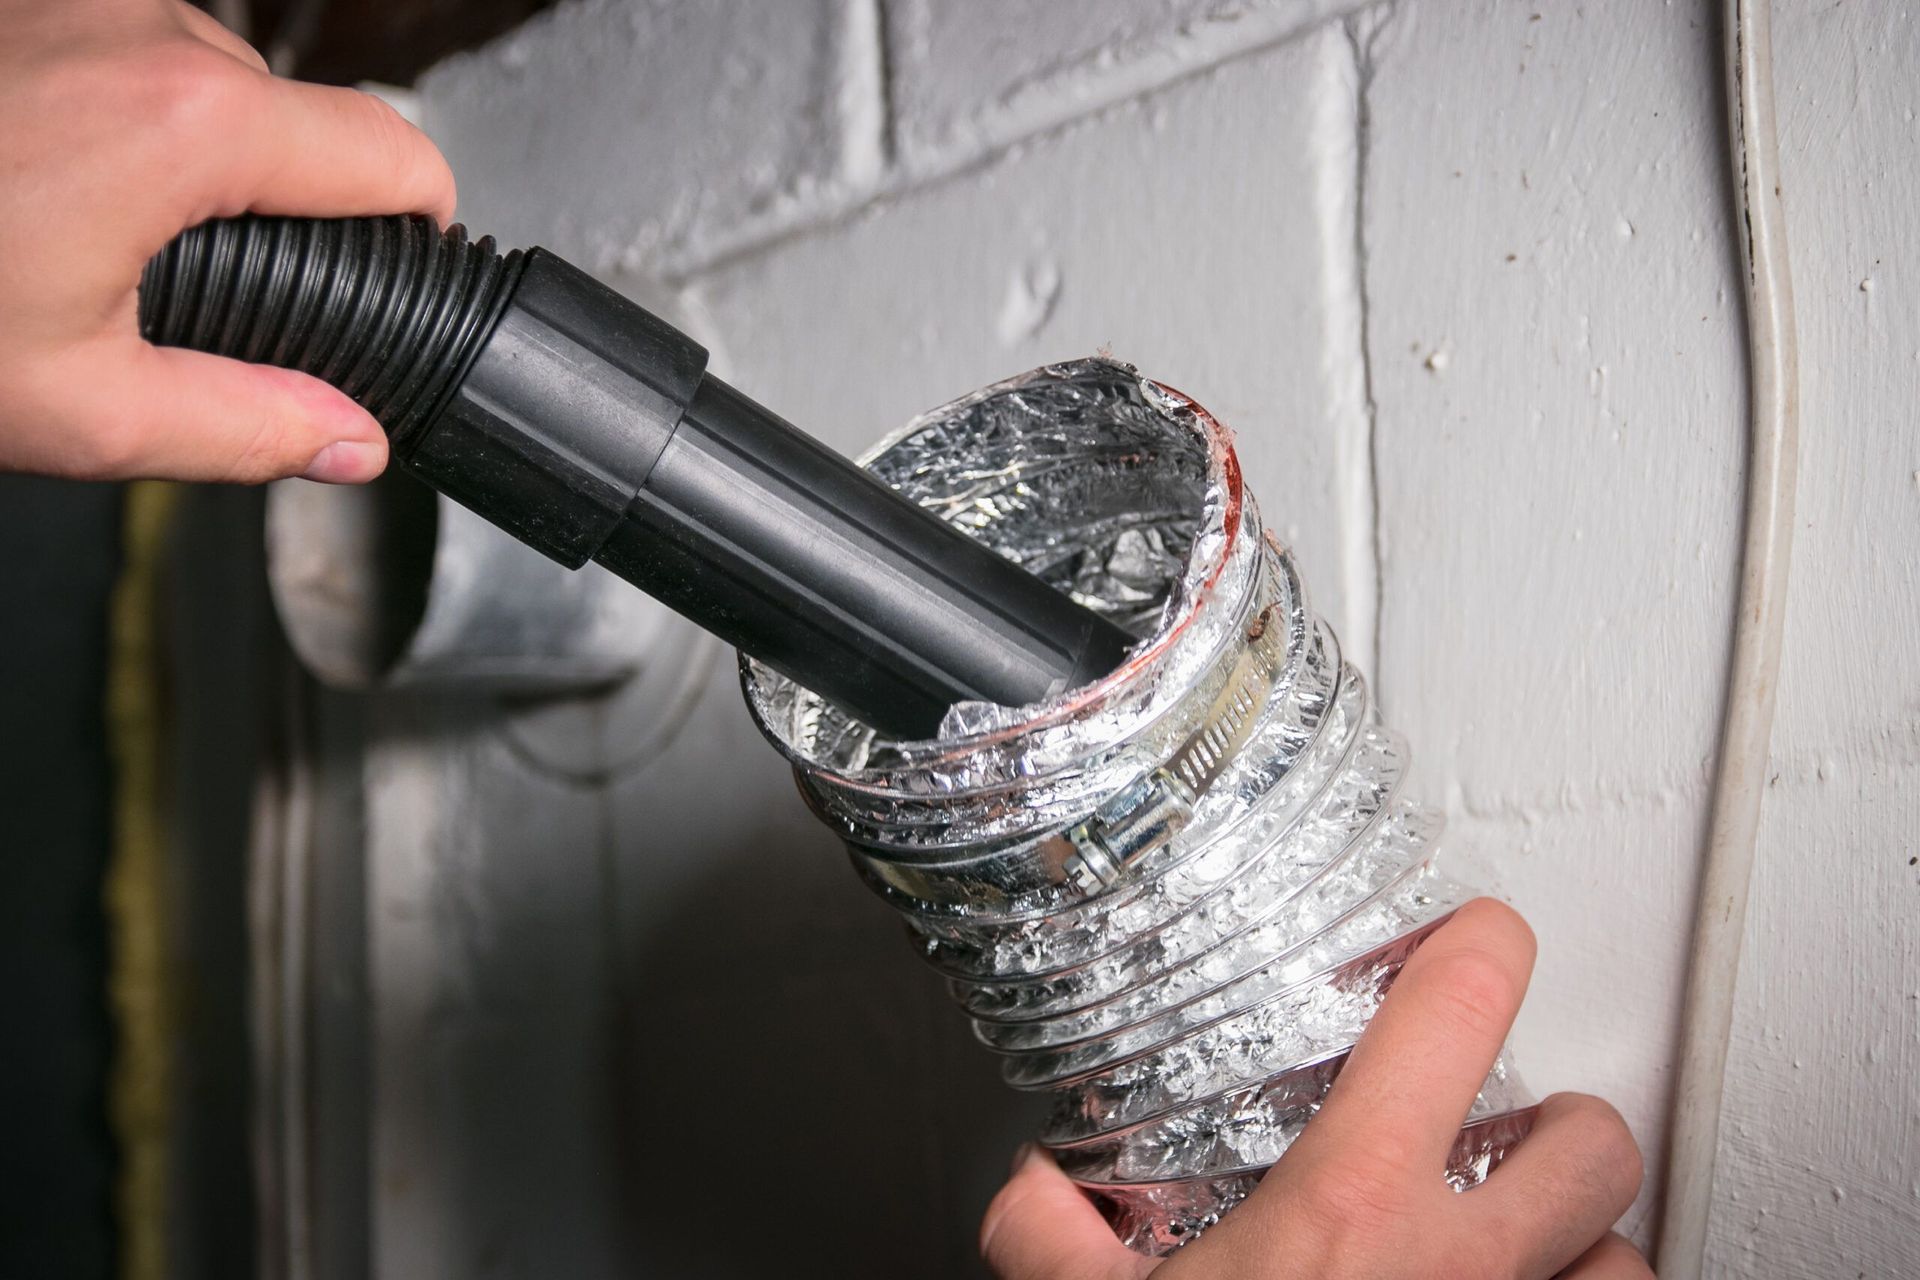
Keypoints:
(1360, 1193)
(122, 123)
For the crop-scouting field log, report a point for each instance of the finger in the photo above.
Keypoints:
(190, 416)
(357, 156)
(1563, 1186)
(1612, 1257)
(1408, 1084)
(324, 152)
(205, 27)
(1040, 1227)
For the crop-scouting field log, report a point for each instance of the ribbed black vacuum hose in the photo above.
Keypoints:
(389, 310)
(537, 397)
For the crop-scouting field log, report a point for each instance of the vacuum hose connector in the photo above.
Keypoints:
(529, 392)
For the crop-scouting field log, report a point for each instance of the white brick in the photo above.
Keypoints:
(1556, 363)
(1188, 232)
(1606, 992)
(969, 77)
(1559, 445)
(1819, 1129)
(634, 131)
(1554, 332)
(1819, 1160)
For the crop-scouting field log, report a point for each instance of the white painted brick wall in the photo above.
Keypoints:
(1460, 276)
(1082, 239)
(1819, 1174)
(637, 131)
(969, 78)
(1555, 353)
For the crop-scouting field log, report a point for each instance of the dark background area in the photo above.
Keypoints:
(346, 41)
(59, 553)
(220, 657)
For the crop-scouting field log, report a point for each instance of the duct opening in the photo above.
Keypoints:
(1173, 898)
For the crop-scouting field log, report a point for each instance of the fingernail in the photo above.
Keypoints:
(1021, 1154)
(346, 462)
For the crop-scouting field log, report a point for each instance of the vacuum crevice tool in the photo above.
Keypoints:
(547, 403)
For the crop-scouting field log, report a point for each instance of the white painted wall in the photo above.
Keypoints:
(1461, 277)
(1555, 344)
(1820, 1153)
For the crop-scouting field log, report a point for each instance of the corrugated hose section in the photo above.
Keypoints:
(1171, 899)
(390, 310)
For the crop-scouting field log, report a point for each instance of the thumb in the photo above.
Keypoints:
(185, 415)
(1040, 1227)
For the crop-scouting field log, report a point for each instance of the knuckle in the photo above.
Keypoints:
(388, 132)
(71, 83)
(265, 455)
(992, 1220)
(110, 448)
(194, 90)
(1356, 1195)
(1395, 1157)
(1496, 1248)
(1614, 1158)
(1615, 1257)
(1004, 1233)
(208, 29)
(414, 160)
(1477, 989)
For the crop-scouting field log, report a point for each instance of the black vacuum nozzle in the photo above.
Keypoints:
(531, 393)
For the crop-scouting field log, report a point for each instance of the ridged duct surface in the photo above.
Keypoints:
(1172, 900)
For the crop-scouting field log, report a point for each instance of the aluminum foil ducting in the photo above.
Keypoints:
(1173, 898)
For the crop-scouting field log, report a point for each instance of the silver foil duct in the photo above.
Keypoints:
(1172, 898)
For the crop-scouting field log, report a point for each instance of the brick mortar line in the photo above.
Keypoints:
(837, 208)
